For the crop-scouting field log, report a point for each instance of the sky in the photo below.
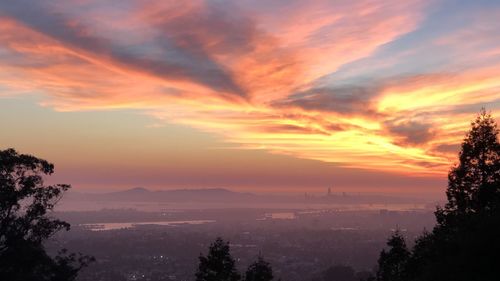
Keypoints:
(263, 96)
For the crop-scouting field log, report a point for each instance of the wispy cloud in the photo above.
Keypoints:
(335, 81)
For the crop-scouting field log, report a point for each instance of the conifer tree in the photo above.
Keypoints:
(474, 183)
(218, 265)
(260, 270)
(392, 262)
(465, 244)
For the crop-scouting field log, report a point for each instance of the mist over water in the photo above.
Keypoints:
(185, 199)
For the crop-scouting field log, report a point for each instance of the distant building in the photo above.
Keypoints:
(329, 192)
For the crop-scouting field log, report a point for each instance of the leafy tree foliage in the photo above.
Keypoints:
(343, 273)
(392, 263)
(473, 184)
(218, 265)
(260, 270)
(465, 244)
(340, 273)
(25, 203)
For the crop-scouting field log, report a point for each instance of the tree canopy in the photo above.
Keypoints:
(260, 270)
(25, 222)
(473, 184)
(464, 244)
(218, 264)
(392, 262)
(339, 273)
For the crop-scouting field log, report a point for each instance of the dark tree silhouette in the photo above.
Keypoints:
(474, 184)
(391, 264)
(260, 270)
(25, 204)
(339, 273)
(218, 265)
(465, 244)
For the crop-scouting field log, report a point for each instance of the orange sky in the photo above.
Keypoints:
(298, 95)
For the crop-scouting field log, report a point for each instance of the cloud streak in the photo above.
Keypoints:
(330, 81)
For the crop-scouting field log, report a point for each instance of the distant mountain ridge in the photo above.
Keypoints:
(222, 195)
(141, 194)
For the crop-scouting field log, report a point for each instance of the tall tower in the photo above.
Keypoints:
(329, 193)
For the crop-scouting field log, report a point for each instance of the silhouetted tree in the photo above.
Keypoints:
(25, 203)
(339, 273)
(391, 264)
(465, 244)
(260, 270)
(218, 265)
(474, 184)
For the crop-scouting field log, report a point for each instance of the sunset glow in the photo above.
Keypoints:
(383, 87)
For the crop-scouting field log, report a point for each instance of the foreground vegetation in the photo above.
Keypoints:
(465, 243)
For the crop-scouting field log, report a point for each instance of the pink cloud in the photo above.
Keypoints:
(253, 75)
